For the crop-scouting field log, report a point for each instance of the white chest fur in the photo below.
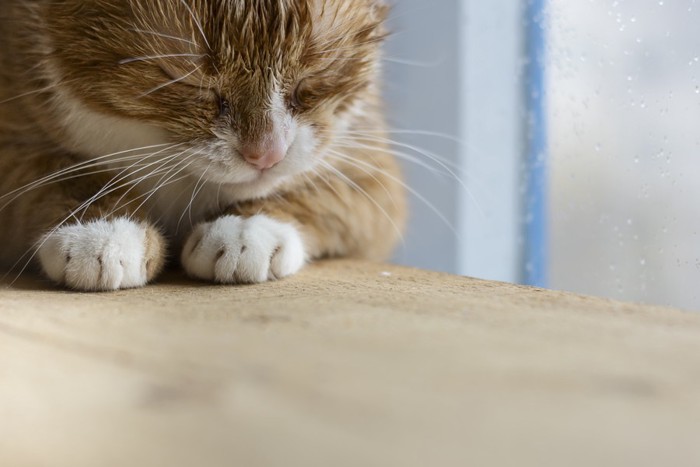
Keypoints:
(175, 199)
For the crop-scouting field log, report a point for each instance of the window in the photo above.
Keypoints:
(611, 202)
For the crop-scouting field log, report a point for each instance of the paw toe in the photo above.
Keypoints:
(236, 250)
(102, 255)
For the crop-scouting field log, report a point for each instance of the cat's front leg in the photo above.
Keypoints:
(102, 254)
(235, 249)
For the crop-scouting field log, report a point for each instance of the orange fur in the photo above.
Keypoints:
(212, 68)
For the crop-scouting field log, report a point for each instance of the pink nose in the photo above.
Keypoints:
(265, 154)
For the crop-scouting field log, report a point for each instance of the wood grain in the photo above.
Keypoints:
(347, 364)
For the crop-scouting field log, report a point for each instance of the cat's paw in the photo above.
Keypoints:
(103, 255)
(234, 249)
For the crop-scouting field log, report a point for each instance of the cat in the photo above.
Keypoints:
(244, 137)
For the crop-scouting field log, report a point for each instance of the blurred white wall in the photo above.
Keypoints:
(624, 93)
(453, 68)
(422, 82)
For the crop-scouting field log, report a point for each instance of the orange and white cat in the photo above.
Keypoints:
(245, 137)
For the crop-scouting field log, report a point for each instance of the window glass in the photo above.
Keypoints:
(624, 132)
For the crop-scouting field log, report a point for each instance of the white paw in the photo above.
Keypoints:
(102, 255)
(234, 249)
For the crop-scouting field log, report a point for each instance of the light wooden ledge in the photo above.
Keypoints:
(347, 364)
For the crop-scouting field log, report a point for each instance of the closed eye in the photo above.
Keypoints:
(224, 107)
(296, 97)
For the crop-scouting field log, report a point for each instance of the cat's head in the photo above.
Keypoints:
(252, 91)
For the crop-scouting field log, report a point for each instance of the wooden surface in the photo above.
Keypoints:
(347, 364)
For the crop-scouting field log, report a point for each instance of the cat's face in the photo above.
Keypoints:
(251, 90)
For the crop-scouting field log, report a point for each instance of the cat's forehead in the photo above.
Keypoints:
(258, 32)
(251, 53)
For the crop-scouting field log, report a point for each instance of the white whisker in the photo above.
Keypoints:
(324, 179)
(415, 63)
(420, 197)
(197, 23)
(176, 169)
(372, 175)
(365, 131)
(173, 81)
(354, 136)
(58, 176)
(362, 132)
(435, 159)
(361, 190)
(158, 170)
(353, 144)
(195, 192)
(36, 91)
(311, 181)
(157, 57)
(165, 36)
(40, 243)
(124, 175)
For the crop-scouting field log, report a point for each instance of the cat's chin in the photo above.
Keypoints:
(263, 185)
(244, 185)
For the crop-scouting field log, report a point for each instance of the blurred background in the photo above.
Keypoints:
(552, 143)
